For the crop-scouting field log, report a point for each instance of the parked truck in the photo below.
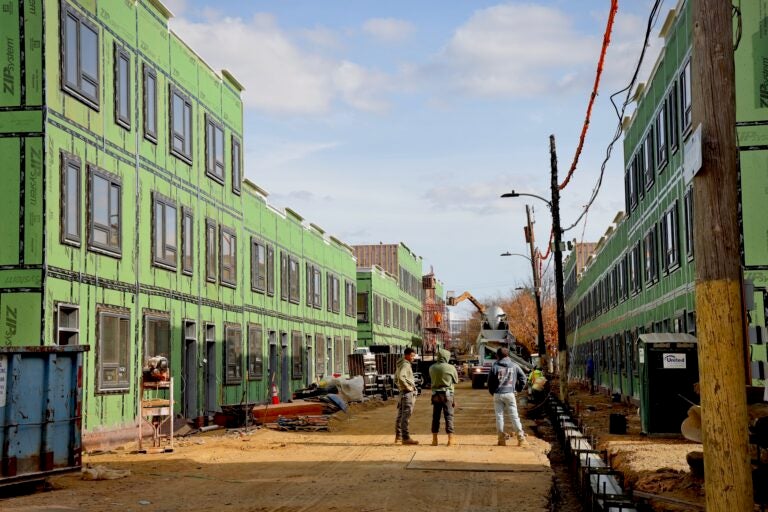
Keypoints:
(494, 333)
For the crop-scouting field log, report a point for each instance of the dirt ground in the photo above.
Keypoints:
(355, 467)
(649, 464)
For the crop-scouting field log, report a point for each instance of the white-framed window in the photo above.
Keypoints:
(649, 171)
(673, 118)
(67, 322)
(157, 336)
(650, 256)
(662, 150)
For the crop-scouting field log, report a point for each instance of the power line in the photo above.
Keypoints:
(628, 89)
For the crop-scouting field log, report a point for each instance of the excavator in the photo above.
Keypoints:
(494, 333)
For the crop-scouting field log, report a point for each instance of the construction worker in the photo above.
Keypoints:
(505, 378)
(443, 376)
(406, 384)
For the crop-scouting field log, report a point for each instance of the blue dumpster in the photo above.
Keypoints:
(40, 411)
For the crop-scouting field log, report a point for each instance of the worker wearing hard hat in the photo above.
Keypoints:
(406, 384)
(443, 376)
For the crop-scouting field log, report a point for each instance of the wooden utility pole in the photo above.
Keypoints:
(719, 308)
(562, 343)
(541, 344)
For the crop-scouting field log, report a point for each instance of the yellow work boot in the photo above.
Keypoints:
(408, 440)
(434, 439)
(451, 440)
(502, 439)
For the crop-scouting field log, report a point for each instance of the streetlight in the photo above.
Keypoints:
(554, 207)
(541, 346)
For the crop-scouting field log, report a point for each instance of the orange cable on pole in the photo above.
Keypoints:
(606, 41)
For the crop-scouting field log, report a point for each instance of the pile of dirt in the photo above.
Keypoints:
(656, 466)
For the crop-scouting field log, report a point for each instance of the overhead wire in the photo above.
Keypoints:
(593, 96)
(652, 18)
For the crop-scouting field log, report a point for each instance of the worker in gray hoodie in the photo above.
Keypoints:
(406, 384)
(443, 376)
(504, 378)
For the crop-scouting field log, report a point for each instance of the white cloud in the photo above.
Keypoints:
(177, 7)
(389, 29)
(515, 50)
(274, 154)
(277, 74)
(480, 198)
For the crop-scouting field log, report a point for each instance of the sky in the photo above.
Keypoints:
(405, 120)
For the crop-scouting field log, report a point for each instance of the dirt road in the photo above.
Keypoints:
(355, 467)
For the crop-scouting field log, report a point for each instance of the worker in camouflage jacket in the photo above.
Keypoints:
(406, 384)
(443, 376)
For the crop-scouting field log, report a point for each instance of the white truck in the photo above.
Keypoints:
(494, 333)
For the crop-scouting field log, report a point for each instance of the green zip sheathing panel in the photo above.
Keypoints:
(41, 125)
(667, 304)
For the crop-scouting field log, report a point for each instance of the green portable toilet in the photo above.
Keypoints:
(669, 367)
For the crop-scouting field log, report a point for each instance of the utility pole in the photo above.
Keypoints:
(542, 347)
(719, 308)
(562, 344)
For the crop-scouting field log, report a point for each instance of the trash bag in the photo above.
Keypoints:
(351, 390)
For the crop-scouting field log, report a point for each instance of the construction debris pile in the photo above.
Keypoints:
(302, 423)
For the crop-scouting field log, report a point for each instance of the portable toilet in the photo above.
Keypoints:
(669, 367)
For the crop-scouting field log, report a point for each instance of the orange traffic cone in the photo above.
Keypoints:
(275, 397)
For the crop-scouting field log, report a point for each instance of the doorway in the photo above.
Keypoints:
(210, 371)
(189, 374)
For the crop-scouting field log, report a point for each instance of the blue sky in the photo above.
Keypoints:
(405, 120)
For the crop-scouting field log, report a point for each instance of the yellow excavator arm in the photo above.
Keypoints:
(452, 301)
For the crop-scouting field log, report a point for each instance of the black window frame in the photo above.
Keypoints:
(76, 89)
(350, 299)
(211, 251)
(688, 202)
(284, 294)
(270, 270)
(317, 288)
(187, 238)
(71, 162)
(233, 355)
(255, 352)
(187, 122)
(648, 159)
(685, 99)
(321, 356)
(362, 313)
(237, 164)
(170, 252)
(294, 280)
(297, 355)
(121, 54)
(670, 239)
(227, 233)
(651, 256)
(212, 162)
(122, 384)
(149, 103)
(662, 145)
(258, 275)
(673, 119)
(113, 181)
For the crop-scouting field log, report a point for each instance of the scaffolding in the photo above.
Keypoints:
(434, 322)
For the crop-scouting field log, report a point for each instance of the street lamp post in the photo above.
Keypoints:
(554, 207)
(540, 344)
